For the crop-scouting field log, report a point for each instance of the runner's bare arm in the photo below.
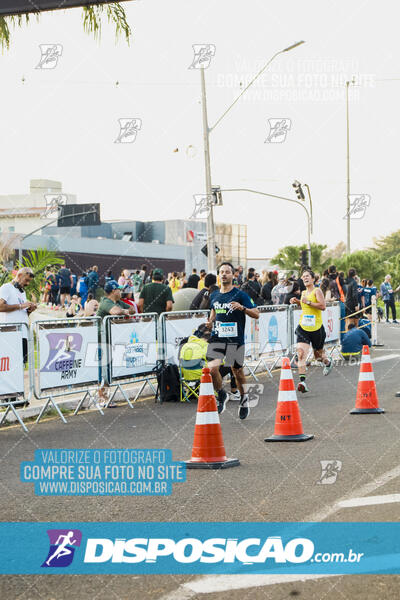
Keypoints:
(211, 319)
(4, 307)
(321, 305)
(251, 312)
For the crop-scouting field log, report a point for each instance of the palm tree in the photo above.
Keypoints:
(38, 260)
(92, 22)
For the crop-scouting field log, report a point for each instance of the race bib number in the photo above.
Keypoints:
(308, 320)
(226, 330)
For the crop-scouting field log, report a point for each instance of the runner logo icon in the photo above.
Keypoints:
(63, 543)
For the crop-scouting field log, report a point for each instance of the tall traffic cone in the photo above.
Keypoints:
(288, 426)
(367, 397)
(208, 445)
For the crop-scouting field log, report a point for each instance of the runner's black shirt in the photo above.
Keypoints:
(229, 322)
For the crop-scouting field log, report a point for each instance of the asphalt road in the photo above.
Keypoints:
(275, 482)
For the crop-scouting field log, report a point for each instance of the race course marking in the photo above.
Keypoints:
(370, 501)
(223, 583)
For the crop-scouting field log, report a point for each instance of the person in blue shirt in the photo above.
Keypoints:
(365, 325)
(93, 280)
(229, 308)
(74, 281)
(82, 288)
(369, 291)
(388, 298)
(353, 341)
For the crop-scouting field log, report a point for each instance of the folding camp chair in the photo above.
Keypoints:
(189, 388)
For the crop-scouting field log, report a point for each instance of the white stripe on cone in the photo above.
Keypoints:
(286, 374)
(287, 396)
(369, 376)
(207, 418)
(366, 358)
(206, 389)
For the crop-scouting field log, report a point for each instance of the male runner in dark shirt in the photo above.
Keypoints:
(229, 308)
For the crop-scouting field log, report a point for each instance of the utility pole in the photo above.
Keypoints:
(210, 218)
(348, 248)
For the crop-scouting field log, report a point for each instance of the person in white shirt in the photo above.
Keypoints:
(14, 308)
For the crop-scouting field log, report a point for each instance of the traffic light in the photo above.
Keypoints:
(204, 250)
(217, 196)
(303, 258)
(299, 190)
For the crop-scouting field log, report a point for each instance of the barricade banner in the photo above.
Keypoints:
(177, 325)
(62, 350)
(11, 360)
(331, 321)
(273, 329)
(133, 345)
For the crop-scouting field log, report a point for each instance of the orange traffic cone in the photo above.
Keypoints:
(208, 445)
(288, 426)
(367, 398)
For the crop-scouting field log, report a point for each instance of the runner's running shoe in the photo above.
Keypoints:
(328, 368)
(244, 407)
(302, 387)
(222, 399)
(235, 396)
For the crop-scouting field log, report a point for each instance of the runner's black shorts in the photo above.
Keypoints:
(315, 339)
(232, 354)
(65, 290)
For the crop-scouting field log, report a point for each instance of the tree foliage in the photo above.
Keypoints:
(373, 263)
(38, 260)
(92, 22)
(288, 258)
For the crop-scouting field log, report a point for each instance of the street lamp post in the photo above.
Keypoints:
(206, 137)
(348, 164)
(308, 213)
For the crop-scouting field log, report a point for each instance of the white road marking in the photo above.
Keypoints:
(385, 357)
(223, 583)
(370, 501)
(364, 490)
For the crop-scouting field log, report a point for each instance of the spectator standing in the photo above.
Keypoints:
(156, 296)
(388, 297)
(351, 296)
(193, 280)
(123, 277)
(279, 291)
(174, 282)
(65, 280)
(143, 273)
(209, 280)
(14, 308)
(82, 288)
(74, 282)
(93, 280)
(252, 287)
(268, 286)
(293, 291)
(240, 275)
(183, 282)
(369, 291)
(137, 282)
(338, 291)
(201, 283)
(108, 277)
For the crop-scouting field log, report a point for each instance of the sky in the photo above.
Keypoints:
(62, 123)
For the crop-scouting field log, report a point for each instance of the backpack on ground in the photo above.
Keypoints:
(168, 383)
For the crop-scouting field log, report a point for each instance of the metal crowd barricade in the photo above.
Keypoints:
(131, 352)
(66, 355)
(12, 380)
(174, 326)
(274, 335)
